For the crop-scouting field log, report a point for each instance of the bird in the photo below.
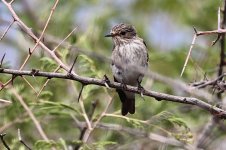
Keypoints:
(128, 55)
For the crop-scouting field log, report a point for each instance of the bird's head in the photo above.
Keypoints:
(122, 32)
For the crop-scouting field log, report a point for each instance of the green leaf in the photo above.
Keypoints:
(63, 53)
(46, 95)
(55, 107)
(102, 144)
(48, 64)
(178, 121)
(41, 145)
(86, 66)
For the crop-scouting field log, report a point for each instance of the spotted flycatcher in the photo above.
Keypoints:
(129, 53)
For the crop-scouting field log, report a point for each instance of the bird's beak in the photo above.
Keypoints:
(109, 35)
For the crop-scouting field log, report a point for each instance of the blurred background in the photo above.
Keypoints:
(167, 28)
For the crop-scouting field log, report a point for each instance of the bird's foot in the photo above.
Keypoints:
(141, 90)
(123, 85)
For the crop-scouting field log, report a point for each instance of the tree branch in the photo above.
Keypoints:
(157, 95)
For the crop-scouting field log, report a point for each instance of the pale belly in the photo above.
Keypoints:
(126, 76)
(123, 61)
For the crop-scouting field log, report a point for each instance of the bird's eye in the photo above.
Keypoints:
(123, 33)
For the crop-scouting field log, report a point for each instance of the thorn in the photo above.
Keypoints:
(2, 60)
(73, 64)
(80, 93)
(13, 77)
(3, 141)
(14, 20)
(29, 51)
(196, 32)
(215, 41)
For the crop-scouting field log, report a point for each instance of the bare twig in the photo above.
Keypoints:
(203, 84)
(3, 141)
(140, 133)
(89, 126)
(45, 84)
(7, 29)
(80, 92)
(94, 124)
(42, 34)
(65, 39)
(220, 31)
(31, 115)
(2, 60)
(222, 47)
(217, 39)
(11, 2)
(21, 141)
(189, 53)
(5, 101)
(31, 34)
(29, 84)
(219, 19)
(145, 134)
(208, 128)
(73, 64)
(83, 129)
(212, 123)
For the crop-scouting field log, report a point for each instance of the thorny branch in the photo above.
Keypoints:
(7, 29)
(31, 115)
(157, 95)
(220, 34)
(21, 141)
(217, 83)
(33, 36)
(221, 85)
(139, 133)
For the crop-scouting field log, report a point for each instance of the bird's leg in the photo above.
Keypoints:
(140, 89)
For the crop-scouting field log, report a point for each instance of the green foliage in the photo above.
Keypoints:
(101, 145)
(47, 63)
(54, 108)
(57, 109)
(46, 95)
(41, 144)
(86, 66)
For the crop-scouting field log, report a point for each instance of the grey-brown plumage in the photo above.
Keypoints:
(129, 52)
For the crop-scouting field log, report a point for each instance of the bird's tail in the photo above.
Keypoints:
(128, 102)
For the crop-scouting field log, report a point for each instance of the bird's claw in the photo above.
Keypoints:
(123, 85)
(141, 90)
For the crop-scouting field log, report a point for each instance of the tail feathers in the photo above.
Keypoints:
(128, 102)
(131, 106)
